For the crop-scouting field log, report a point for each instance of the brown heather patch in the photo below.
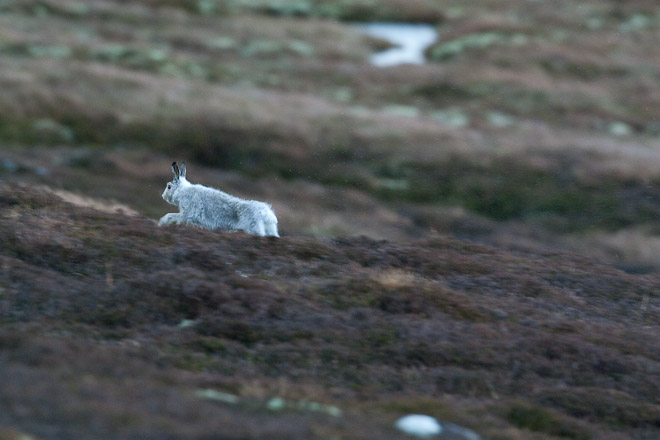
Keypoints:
(106, 317)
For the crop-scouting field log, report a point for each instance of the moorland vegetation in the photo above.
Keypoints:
(474, 238)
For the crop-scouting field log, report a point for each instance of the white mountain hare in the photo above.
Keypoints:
(210, 208)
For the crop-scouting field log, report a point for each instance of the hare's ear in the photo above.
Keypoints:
(183, 170)
(175, 170)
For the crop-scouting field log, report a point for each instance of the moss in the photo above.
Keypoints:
(540, 419)
(445, 90)
(192, 362)
(447, 50)
(612, 407)
(108, 317)
(562, 67)
(461, 310)
(506, 189)
(27, 131)
(351, 293)
(349, 10)
(235, 330)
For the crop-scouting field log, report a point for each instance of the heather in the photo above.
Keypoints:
(473, 238)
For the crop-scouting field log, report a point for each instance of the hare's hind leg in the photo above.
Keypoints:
(259, 229)
(171, 219)
(270, 229)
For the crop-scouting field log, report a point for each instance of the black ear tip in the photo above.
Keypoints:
(174, 163)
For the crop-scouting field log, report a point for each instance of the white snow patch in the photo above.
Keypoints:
(410, 41)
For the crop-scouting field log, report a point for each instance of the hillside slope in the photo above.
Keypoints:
(114, 328)
(431, 219)
(533, 124)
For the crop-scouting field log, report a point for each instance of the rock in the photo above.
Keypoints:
(500, 120)
(276, 404)
(423, 426)
(261, 47)
(452, 117)
(218, 396)
(620, 129)
(301, 48)
(185, 323)
(499, 313)
(222, 43)
(49, 51)
(404, 111)
(9, 165)
(52, 131)
(419, 425)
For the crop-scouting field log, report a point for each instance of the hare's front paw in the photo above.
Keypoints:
(170, 219)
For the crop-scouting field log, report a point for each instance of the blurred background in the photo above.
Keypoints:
(525, 124)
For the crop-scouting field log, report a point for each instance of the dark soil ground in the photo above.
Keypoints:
(474, 238)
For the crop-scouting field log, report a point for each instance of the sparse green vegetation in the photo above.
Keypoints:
(543, 420)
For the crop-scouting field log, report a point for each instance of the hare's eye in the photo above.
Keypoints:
(169, 186)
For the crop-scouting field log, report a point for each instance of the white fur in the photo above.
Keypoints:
(210, 208)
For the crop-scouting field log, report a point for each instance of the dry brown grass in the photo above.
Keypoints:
(88, 202)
